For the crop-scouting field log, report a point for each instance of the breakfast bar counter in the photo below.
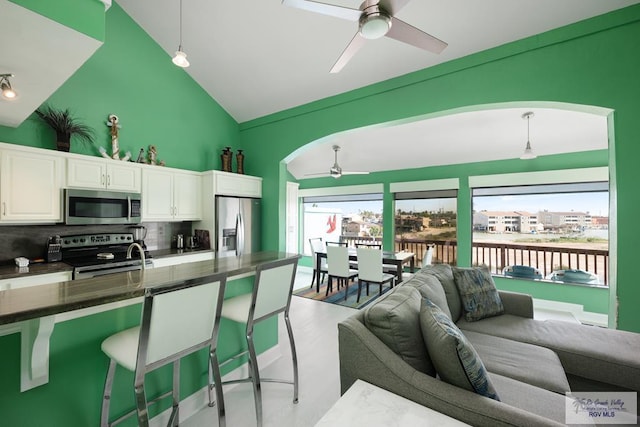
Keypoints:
(33, 311)
(45, 300)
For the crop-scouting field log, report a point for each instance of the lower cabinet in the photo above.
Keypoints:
(182, 259)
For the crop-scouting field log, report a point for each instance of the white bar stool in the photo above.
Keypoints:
(271, 295)
(177, 320)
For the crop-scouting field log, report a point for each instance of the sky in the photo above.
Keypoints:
(596, 203)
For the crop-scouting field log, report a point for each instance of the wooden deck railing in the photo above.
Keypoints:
(497, 256)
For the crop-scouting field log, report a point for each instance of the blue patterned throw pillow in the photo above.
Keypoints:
(478, 293)
(454, 358)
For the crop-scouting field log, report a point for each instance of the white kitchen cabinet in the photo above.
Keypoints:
(103, 174)
(171, 195)
(233, 184)
(34, 280)
(30, 186)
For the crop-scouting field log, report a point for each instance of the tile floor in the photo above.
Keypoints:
(316, 334)
(314, 327)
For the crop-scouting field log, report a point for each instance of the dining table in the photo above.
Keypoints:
(396, 259)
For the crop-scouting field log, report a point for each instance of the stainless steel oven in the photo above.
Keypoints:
(93, 255)
(102, 207)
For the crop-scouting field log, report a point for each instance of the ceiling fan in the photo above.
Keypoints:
(375, 20)
(335, 170)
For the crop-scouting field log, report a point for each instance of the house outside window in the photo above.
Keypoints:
(427, 218)
(555, 232)
(351, 218)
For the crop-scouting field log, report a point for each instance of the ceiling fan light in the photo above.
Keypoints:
(375, 25)
(180, 59)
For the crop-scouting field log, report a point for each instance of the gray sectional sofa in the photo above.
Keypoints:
(529, 363)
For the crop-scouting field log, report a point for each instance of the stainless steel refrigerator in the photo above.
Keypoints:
(237, 226)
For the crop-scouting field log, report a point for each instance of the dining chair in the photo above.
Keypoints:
(338, 263)
(177, 320)
(271, 296)
(317, 246)
(370, 270)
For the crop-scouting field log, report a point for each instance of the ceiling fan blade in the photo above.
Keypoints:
(393, 6)
(409, 34)
(325, 9)
(356, 43)
(317, 174)
(354, 173)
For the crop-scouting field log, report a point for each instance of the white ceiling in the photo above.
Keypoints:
(257, 57)
(29, 56)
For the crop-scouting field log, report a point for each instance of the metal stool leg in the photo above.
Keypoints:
(217, 383)
(294, 357)
(255, 375)
(175, 412)
(106, 395)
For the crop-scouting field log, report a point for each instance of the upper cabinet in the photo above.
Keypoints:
(30, 186)
(171, 195)
(103, 174)
(233, 184)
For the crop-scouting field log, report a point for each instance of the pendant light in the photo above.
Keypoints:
(180, 58)
(528, 152)
(5, 87)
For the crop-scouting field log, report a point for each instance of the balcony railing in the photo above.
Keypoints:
(497, 256)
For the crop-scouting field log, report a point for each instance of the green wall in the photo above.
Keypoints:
(85, 16)
(157, 103)
(586, 64)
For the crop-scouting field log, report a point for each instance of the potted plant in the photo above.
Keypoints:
(65, 126)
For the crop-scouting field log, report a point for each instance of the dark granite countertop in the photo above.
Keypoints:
(165, 253)
(44, 300)
(11, 271)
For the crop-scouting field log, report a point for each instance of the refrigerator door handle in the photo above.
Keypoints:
(240, 235)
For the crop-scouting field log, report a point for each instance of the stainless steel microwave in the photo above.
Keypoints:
(102, 207)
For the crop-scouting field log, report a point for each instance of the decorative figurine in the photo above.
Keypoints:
(226, 158)
(115, 149)
(240, 162)
(152, 155)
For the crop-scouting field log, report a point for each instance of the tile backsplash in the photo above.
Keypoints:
(30, 240)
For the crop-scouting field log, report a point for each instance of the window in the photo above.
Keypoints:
(427, 218)
(351, 218)
(557, 232)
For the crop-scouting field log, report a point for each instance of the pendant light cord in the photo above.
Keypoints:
(180, 47)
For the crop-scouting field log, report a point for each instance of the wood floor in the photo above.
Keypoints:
(315, 330)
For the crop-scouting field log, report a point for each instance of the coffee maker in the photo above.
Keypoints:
(139, 233)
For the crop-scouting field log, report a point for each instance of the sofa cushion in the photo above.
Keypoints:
(606, 355)
(430, 287)
(529, 363)
(444, 274)
(453, 356)
(395, 320)
(480, 298)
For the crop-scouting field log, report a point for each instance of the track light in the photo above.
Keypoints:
(180, 58)
(528, 152)
(5, 86)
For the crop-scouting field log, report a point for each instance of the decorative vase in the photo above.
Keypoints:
(225, 158)
(63, 141)
(240, 162)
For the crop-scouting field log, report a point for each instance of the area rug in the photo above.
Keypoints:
(337, 297)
